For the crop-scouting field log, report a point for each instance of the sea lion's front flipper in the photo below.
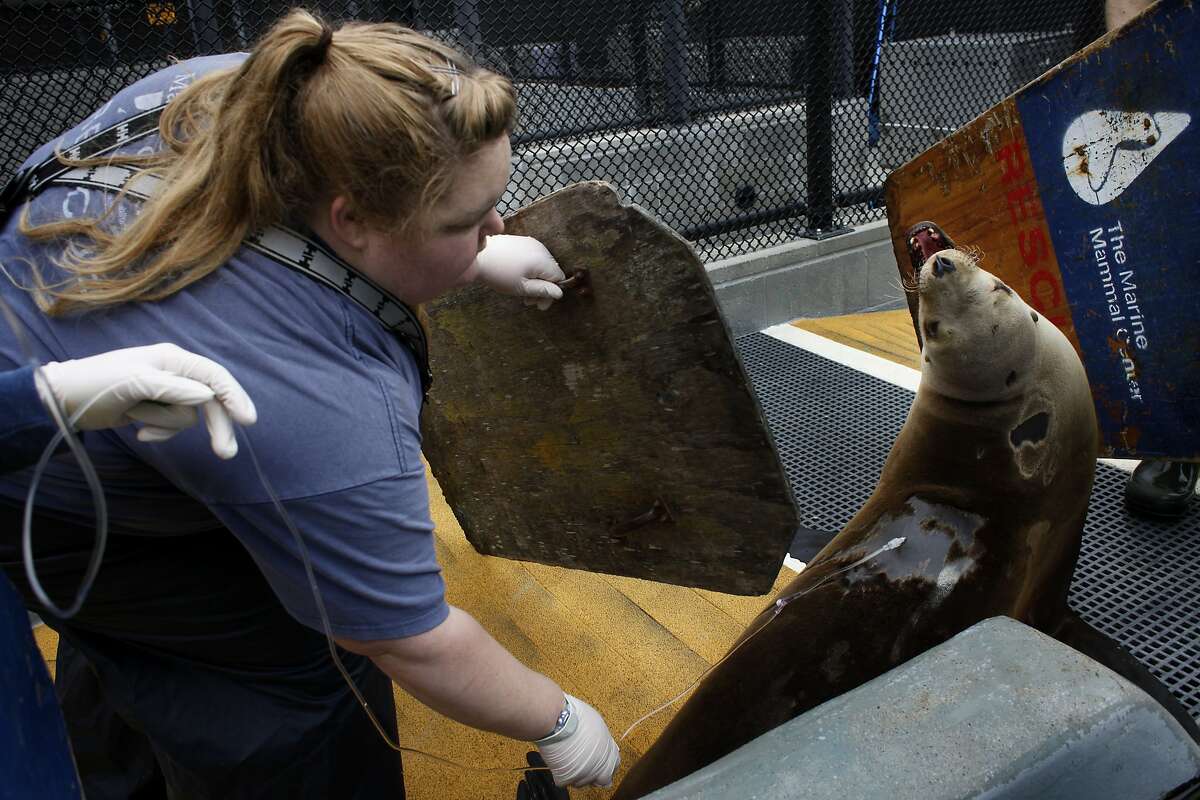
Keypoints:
(1076, 633)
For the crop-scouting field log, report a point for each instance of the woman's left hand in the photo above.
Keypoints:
(520, 266)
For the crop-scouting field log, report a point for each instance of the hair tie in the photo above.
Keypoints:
(323, 43)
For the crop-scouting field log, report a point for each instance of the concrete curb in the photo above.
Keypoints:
(847, 274)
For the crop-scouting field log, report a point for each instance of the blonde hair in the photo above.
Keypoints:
(375, 112)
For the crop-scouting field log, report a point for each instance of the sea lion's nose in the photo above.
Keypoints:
(942, 265)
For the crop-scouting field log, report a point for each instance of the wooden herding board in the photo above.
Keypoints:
(1082, 191)
(615, 432)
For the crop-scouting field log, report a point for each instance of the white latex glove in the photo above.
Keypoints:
(520, 266)
(583, 753)
(158, 385)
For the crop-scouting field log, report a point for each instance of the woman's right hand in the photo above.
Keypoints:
(458, 669)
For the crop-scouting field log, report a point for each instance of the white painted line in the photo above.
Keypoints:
(890, 371)
(793, 564)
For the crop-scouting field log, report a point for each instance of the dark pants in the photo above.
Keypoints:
(184, 677)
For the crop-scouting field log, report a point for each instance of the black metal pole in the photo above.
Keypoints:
(714, 45)
(843, 57)
(676, 96)
(818, 119)
(639, 47)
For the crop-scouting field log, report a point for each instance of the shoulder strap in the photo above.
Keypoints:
(29, 179)
(279, 243)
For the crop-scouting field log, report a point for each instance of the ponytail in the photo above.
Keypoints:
(375, 112)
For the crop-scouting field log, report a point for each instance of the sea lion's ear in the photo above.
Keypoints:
(1030, 440)
(1032, 430)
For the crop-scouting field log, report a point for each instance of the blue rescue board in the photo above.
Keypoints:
(1114, 139)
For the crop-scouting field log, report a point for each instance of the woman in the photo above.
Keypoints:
(303, 199)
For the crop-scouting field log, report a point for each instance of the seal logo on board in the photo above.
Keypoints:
(1104, 151)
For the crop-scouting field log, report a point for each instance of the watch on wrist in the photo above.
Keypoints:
(564, 726)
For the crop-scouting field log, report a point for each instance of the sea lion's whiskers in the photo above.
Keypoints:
(974, 253)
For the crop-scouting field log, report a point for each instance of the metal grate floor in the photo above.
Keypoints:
(1136, 581)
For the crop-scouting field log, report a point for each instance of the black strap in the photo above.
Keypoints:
(281, 244)
(28, 180)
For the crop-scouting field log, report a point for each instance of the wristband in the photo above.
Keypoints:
(564, 727)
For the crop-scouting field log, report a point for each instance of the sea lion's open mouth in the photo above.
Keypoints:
(925, 239)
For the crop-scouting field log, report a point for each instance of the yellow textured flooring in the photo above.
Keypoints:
(623, 645)
(887, 334)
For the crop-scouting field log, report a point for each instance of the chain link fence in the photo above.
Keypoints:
(741, 123)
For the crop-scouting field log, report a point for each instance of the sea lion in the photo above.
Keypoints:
(987, 483)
